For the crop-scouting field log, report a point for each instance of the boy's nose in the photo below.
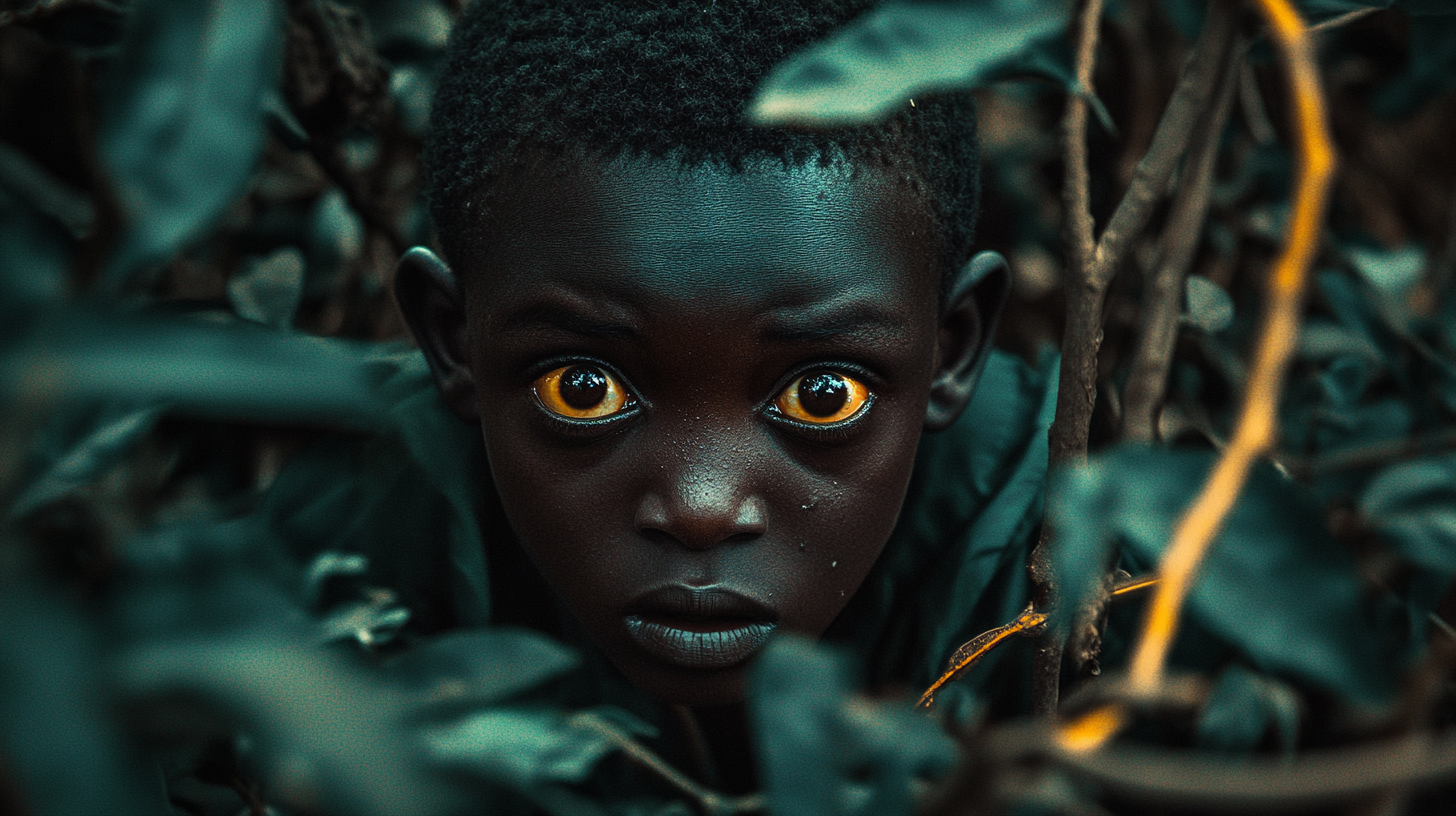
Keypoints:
(702, 514)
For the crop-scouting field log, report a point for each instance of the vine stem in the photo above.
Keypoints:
(1255, 431)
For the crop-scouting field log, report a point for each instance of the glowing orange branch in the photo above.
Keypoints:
(1254, 434)
(1028, 622)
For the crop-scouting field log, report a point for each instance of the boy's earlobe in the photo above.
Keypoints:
(430, 300)
(973, 305)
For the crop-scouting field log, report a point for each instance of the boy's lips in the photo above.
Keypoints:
(699, 627)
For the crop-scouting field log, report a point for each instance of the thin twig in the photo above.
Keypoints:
(1028, 622)
(1368, 456)
(709, 801)
(1251, 101)
(1344, 19)
(1163, 298)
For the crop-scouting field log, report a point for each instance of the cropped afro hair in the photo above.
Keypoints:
(668, 78)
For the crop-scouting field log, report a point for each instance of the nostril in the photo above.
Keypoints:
(698, 526)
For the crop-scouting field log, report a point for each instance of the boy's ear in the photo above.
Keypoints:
(973, 304)
(430, 300)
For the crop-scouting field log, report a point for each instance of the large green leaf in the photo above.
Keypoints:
(1414, 505)
(182, 124)
(881, 60)
(481, 666)
(823, 752)
(212, 368)
(1274, 584)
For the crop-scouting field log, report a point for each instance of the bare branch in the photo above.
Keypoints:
(1224, 786)
(1089, 277)
(1163, 295)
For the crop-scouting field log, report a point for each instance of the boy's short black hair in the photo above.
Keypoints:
(666, 78)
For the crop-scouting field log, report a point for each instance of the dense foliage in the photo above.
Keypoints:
(200, 208)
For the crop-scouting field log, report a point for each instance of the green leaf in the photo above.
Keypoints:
(1242, 708)
(268, 289)
(1414, 506)
(84, 24)
(480, 666)
(519, 748)
(883, 59)
(1391, 272)
(1274, 583)
(58, 733)
(182, 124)
(1207, 306)
(824, 752)
(219, 369)
(330, 733)
(89, 458)
(33, 259)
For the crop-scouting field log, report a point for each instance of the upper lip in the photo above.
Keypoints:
(701, 603)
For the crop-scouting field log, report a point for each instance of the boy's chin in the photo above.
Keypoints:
(691, 687)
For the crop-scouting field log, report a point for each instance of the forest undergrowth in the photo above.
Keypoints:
(1235, 220)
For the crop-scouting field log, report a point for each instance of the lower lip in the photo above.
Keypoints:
(702, 647)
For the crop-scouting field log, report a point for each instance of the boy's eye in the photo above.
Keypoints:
(580, 392)
(823, 397)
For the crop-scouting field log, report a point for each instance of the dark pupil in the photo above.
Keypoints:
(583, 387)
(823, 394)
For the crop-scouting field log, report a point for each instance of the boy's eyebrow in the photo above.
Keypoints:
(818, 324)
(569, 320)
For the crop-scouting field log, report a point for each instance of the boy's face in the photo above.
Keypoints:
(701, 393)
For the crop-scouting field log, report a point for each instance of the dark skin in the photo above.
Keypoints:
(701, 393)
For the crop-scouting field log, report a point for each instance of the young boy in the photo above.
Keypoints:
(701, 357)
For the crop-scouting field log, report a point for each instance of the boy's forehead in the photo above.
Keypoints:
(639, 228)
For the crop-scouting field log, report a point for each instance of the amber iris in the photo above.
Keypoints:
(823, 397)
(581, 392)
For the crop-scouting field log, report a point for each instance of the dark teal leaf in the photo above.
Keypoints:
(32, 183)
(33, 259)
(871, 67)
(519, 748)
(335, 235)
(824, 752)
(1414, 506)
(267, 290)
(1206, 305)
(1344, 379)
(182, 123)
(330, 731)
(1243, 707)
(1274, 584)
(1050, 58)
(480, 666)
(212, 368)
(113, 437)
(1391, 272)
(85, 24)
(1431, 68)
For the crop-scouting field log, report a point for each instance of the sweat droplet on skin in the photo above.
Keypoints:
(833, 564)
